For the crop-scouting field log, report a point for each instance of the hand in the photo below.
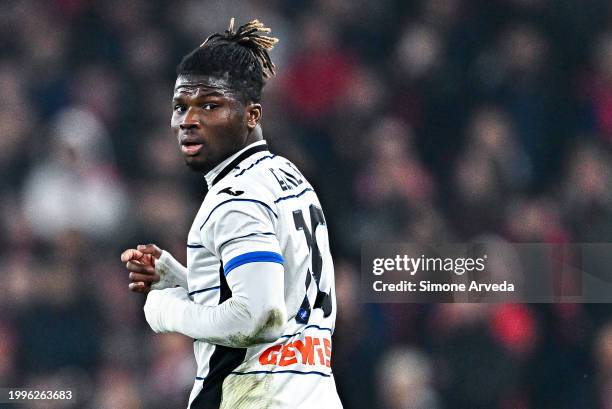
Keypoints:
(140, 262)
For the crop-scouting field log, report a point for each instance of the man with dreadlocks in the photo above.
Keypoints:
(257, 295)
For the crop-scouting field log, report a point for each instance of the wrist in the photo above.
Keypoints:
(170, 271)
(163, 268)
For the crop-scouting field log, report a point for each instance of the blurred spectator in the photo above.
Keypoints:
(118, 389)
(352, 352)
(587, 196)
(489, 378)
(535, 220)
(477, 195)
(405, 380)
(172, 371)
(316, 79)
(392, 177)
(75, 187)
(491, 133)
(518, 71)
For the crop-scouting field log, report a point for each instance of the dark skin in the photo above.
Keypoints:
(210, 122)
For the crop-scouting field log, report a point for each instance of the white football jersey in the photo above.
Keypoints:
(260, 208)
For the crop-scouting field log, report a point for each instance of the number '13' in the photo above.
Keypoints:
(323, 299)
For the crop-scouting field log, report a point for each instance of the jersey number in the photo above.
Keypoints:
(323, 299)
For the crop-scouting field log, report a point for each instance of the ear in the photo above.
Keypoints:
(253, 111)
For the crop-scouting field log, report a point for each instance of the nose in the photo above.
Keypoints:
(185, 126)
(190, 120)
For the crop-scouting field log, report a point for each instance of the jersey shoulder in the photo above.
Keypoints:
(278, 176)
(265, 178)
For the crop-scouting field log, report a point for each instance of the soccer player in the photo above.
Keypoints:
(257, 295)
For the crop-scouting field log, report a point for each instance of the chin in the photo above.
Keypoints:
(197, 166)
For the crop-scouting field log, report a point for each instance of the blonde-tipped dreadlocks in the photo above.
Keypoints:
(248, 36)
(242, 54)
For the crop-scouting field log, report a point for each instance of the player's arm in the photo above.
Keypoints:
(153, 268)
(255, 313)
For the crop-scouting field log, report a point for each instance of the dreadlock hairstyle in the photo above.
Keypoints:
(242, 55)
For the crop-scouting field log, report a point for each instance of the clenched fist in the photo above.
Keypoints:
(140, 262)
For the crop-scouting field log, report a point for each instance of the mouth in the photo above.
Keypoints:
(191, 148)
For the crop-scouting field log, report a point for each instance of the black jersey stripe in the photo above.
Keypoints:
(327, 375)
(222, 362)
(216, 287)
(253, 164)
(259, 148)
(194, 246)
(305, 328)
(246, 235)
(238, 200)
(280, 199)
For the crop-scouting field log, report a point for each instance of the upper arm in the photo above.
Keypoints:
(238, 226)
(241, 232)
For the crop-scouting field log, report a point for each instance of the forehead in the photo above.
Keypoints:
(200, 84)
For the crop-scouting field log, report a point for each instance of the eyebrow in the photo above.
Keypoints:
(177, 94)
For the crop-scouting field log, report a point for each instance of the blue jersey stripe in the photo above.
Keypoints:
(194, 246)
(252, 257)
(238, 200)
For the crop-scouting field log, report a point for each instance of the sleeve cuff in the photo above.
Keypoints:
(171, 272)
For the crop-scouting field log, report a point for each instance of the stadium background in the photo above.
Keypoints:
(415, 121)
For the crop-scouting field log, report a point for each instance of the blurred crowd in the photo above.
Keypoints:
(417, 121)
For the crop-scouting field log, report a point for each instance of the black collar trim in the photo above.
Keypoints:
(238, 159)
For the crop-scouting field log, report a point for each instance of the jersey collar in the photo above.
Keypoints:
(222, 169)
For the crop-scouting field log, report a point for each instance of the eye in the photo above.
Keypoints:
(209, 106)
(180, 108)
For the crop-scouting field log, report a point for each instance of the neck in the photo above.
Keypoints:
(254, 135)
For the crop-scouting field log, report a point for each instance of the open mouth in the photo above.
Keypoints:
(191, 148)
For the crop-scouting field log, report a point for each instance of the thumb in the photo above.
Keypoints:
(150, 249)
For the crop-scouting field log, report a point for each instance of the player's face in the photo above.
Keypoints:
(208, 120)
